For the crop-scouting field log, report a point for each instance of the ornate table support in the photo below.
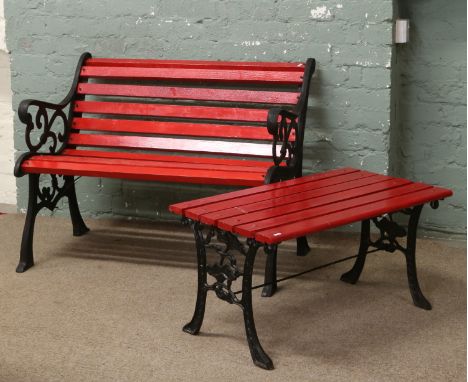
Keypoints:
(390, 231)
(225, 271)
(47, 197)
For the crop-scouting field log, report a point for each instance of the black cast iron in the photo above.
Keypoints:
(224, 272)
(47, 197)
(49, 142)
(388, 241)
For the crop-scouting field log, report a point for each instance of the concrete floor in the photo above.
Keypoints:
(110, 307)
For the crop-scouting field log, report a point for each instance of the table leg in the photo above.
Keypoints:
(193, 327)
(352, 276)
(225, 271)
(259, 356)
(270, 271)
(390, 232)
(418, 298)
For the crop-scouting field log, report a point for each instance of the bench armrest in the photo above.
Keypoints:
(40, 117)
(282, 124)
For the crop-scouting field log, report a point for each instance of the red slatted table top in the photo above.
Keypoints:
(286, 210)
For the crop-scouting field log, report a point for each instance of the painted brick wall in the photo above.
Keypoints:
(7, 181)
(431, 105)
(350, 100)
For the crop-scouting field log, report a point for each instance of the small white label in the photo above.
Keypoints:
(277, 234)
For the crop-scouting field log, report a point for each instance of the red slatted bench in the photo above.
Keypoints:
(270, 214)
(205, 122)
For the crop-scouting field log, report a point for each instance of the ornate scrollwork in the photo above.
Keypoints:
(48, 196)
(389, 232)
(43, 123)
(282, 130)
(226, 270)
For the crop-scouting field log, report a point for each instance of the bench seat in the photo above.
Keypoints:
(278, 212)
(138, 166)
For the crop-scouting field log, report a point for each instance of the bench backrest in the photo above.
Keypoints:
(183, 106)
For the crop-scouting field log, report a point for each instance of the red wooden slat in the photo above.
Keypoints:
(151, 63)
(199, 74)
(167, 158)
(301, 201)
(171, 144)
(205, 94)
(345, 215)
(183, 207)
(173, 128)
(313, 200)
(175, 111)
(274, 222)
(151, 173)
(145, 163)
(214, 211)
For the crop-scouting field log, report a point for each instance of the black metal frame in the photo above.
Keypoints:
(282, 124)
(47, 197)
(50, 143)
(41, 122)
(390, 231)
(225, 272)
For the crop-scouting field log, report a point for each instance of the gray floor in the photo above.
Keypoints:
(110, 307)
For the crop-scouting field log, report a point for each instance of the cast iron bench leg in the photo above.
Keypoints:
(26, 253)
(79, 226)
(225, 272)
(388, 242)
(418, 298)
(270, 271)
(352, 276)
(259, 356)
(302, 246)
(47, 197)
(193, 327)
(270, 267)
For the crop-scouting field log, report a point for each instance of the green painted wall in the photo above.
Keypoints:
(429, 105)
(350, 100)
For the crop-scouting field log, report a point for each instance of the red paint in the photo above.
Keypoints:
(173, 128)
(240, 75)
(183, 207)
(215, 211)
(147, 163)
(150, 173)
(171, 144)
(174, 111)
(148, 63)
(346, 216)
(202, 94)
(166, 158)
(282, 211)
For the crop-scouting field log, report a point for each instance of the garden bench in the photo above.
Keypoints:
(270, 214)
(205, 122)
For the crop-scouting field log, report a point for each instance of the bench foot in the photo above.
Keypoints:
(225, 271)
(270, 271)
(23, 266)
(352, 276)
(390, 231)
(302, 246)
